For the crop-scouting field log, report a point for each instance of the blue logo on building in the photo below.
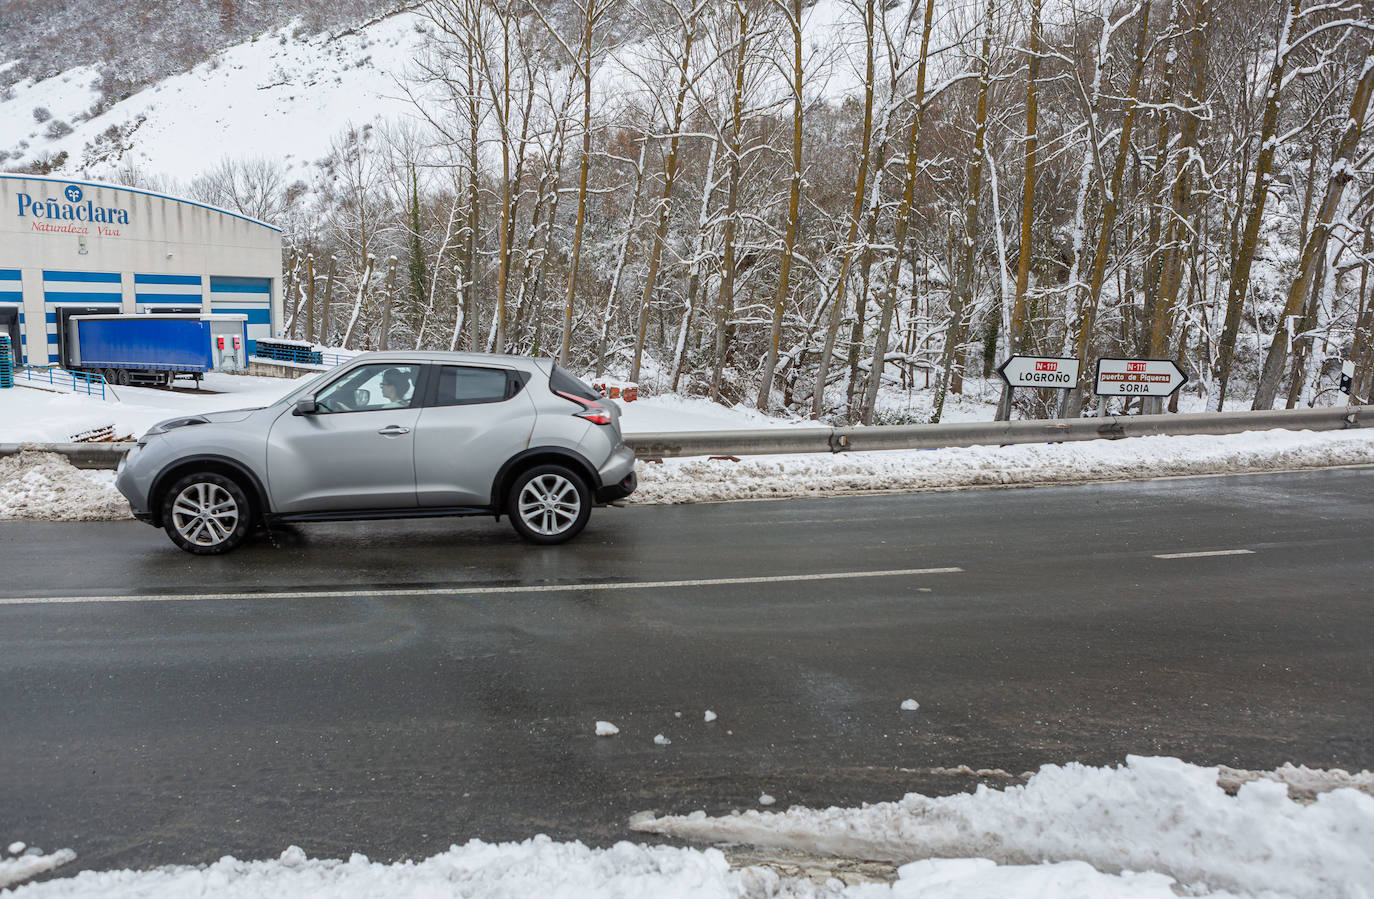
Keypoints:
(76, 209)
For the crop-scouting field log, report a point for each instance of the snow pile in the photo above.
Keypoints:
(30, 862)
(1156, 815)
(536, 867)
(1155, 828)
(1304, 784)
(712, 480)
(46, 487)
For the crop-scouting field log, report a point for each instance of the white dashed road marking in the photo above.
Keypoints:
(1200, 555)
(459, 590)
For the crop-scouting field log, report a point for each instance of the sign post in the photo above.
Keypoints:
(1138, 377)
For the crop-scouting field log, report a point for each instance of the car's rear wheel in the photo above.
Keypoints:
(549, 504)
(206, 513)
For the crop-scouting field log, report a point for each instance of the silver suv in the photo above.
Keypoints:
(388, 435)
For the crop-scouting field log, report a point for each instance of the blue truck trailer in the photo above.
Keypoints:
(156, 349)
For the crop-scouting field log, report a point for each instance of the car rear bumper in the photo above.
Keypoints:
(612, 492)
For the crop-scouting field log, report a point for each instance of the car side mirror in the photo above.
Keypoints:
(307, 406)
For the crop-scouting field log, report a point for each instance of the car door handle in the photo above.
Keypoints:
(393, 431)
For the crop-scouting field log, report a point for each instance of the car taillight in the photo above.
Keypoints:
(593, 412)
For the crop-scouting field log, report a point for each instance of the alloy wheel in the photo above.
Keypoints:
(205, 514)
(549, 504)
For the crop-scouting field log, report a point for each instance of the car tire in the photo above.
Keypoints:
(206, 513)
(549, 504)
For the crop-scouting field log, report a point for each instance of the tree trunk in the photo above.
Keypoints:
(793, 211)
(328, 297)
(855, 214)
(1181, 196)
(358, 301)
(1342, 164)
(573, 263)
(384, 339)
(725, 305)
(1245, 254)
(913, 148)
(961, 298)
(694, 276)
(665, 206)
(1016, 339)
(1111, 206)
(310, 298)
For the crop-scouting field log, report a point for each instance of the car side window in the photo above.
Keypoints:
(464, 385)
(562, 381)
(370, 388)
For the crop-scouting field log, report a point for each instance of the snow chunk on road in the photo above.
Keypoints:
(46, 487)
(1156, 815)
(910, 705)
(660, 740)
(709, 716)
(606, 729)
(765, 799)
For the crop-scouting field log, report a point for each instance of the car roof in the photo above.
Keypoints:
(522, 362)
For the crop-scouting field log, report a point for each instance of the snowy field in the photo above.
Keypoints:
(37, 486)
(1153, 828)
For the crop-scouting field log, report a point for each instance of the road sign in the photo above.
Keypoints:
(1059, 372)
(1347, 377)
(1138, 377)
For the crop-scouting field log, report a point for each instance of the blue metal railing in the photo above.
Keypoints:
(76, 381)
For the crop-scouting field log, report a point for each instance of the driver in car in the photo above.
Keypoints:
(396, 389)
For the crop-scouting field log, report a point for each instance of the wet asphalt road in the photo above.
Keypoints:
(149, 732)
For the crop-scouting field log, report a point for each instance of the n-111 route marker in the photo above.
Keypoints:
(1138, 377)
(1059, 372)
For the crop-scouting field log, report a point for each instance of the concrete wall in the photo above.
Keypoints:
(70, 243)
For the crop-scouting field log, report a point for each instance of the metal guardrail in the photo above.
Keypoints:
(988, 433)
(893, 437)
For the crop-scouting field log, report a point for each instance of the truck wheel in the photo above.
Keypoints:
(111, 376)
(206, 513)
(123, 377)
(548, 504)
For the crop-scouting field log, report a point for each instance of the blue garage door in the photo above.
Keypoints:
(92, 291)
(159, 293)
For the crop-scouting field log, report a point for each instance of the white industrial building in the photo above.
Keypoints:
(75, 247)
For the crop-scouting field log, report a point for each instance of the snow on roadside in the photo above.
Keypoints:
(697, 479)
(46, 487)
(1154, 828)
(29, 863)
(1157, 815)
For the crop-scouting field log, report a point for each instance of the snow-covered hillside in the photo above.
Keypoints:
(279, 96)
(286, 94)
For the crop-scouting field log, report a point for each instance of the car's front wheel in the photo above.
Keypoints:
(549, 504)
(206, 513)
